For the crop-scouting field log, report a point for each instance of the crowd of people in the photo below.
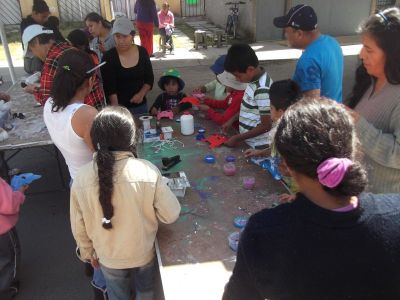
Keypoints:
(335, 236)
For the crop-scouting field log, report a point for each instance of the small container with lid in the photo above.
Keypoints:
(187, 124)
(229, 169)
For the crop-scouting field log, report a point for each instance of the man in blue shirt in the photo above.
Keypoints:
(319, 71)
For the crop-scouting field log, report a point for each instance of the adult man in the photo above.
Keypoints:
(319, 71)
(40, 41)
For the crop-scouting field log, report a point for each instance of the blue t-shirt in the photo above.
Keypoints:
(320, 67)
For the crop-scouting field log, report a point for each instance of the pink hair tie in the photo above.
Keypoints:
(331, 171)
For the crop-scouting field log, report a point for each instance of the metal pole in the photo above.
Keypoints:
(7, 52)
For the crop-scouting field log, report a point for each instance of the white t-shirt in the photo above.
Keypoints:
(76, 153)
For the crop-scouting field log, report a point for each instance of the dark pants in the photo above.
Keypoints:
(166, 39)
(10, 257)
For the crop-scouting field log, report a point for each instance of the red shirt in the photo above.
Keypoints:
(231, 104)
(95, 97)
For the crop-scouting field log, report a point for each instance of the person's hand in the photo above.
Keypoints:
(199, 89)
(31, 88)
(175, 110)
(23, 188)
(4, 96)
(137, 98)
(95, 263)
(286, 198)
(203, 107)
(102, 48)
(252, 152)
(232, 141)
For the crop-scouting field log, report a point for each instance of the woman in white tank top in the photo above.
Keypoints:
(67, 118)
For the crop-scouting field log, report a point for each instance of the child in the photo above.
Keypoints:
(172, 85)
(231, 103)
(79, 39)
(116, 203)
(254, 118)
(214, 85)
(166, 24)
(282, 94)
(10, 250)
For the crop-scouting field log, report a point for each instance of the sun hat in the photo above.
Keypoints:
(228, 79)
(301, 17)
(171, 73)
(31, 32)
(123, 26)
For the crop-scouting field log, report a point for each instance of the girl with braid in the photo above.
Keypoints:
(116, 203)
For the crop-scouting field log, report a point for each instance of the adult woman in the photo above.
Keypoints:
(332, 242)
(376, 100)
(69, 120)
(128, 74)
(116, 203)
(146, 18)
(100, 29)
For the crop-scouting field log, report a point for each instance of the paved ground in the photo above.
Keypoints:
(49, 268)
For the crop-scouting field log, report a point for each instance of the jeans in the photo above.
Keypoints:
(10, 257)
(139, 110)
(119, 282)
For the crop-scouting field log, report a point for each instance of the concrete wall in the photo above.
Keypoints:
(217, 12)
(266, 11)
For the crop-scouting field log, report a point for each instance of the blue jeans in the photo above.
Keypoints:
(119, 282)
(139, 110)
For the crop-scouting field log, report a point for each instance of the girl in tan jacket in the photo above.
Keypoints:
(116, 203)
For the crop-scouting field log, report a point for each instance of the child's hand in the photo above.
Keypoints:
(175, 110)
(252, 152)
(4, 96)
(23, 188)
(203, 107)
(286, 198)
(95, 263)
(232, 142)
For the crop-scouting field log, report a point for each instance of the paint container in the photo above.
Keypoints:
(229, 169)
(248, 182)
(146, 122)
(240, 221)
(201, 134)
(187, 124)
(210, 159)
(230, 158)
(233, 240)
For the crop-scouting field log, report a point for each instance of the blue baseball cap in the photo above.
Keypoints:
(301, 17)
(218, 66)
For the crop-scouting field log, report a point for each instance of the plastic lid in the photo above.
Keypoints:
(230, 158)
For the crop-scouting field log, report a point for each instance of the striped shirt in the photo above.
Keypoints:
(255, 104)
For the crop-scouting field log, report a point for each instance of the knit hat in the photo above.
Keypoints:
(230, 80)
(171, 73)
(218, 66)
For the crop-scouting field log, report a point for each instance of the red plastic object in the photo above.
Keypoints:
(193, 100)
(165, 114)
(216, 140)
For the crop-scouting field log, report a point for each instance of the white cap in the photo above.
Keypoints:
(230, 80)
(123, 26)
(31, 32)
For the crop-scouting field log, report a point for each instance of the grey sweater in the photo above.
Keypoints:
(379, 132)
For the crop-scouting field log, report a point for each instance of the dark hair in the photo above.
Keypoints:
(313, 130)
(169, 79)
(42, 39)
(95, 17)
(71, 73)
(113, 129)
(384, 28)
(53, 22)
(40, 6)
(284, 93)
(239, 58)
(79, 38)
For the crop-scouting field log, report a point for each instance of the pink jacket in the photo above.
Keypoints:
(165, 18)
(9, 206)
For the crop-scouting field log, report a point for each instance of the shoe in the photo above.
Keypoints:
(152, 55)
(171, 51)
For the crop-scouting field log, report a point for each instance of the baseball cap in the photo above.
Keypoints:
(31, 32)
(123, 26)
(299, 17)
(218, 66)
(230, 80)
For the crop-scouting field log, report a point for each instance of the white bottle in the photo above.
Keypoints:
(187, 124)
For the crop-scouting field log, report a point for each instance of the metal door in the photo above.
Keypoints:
(192, 8)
